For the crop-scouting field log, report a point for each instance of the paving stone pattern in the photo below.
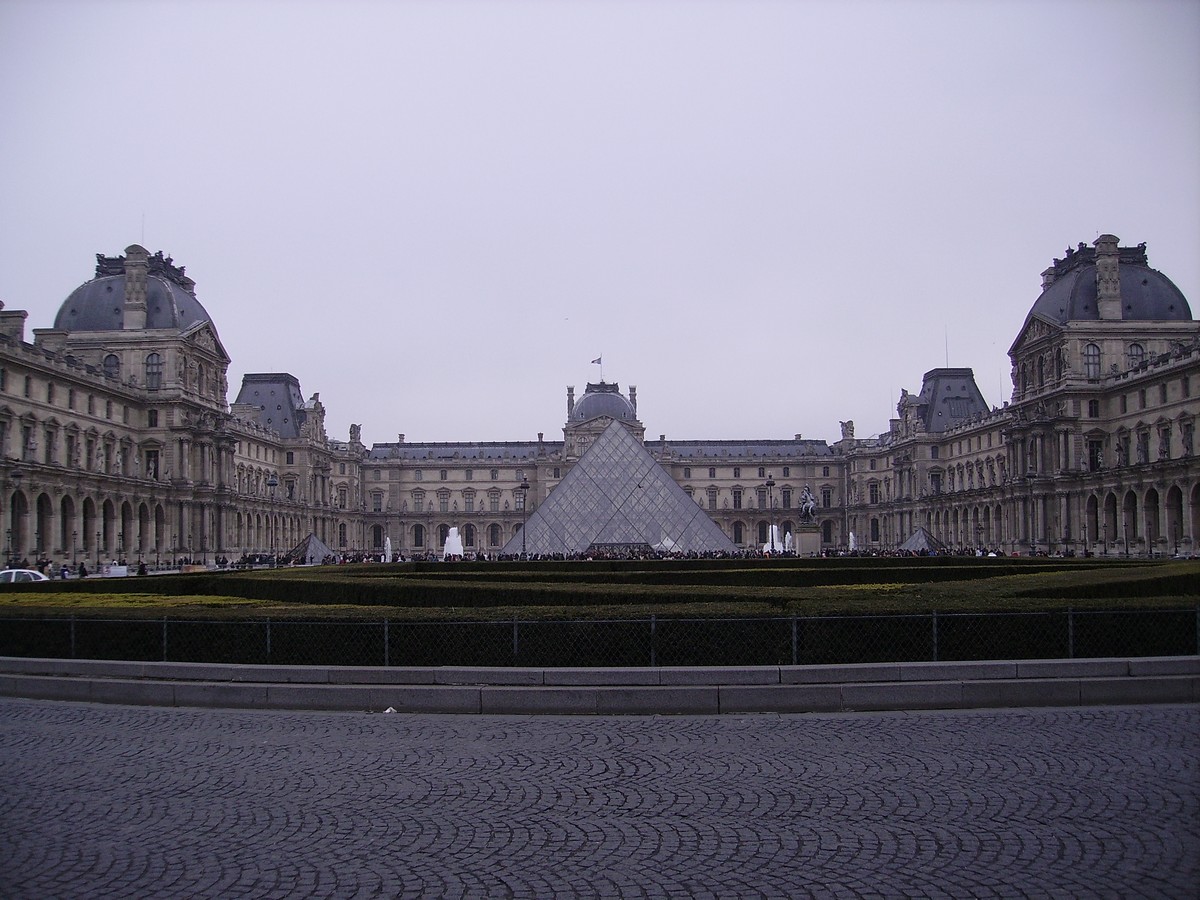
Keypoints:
(112, 801)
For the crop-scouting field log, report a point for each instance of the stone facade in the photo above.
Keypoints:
(117, 441)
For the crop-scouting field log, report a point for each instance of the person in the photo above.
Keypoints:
(142, 568)
(65, 572)
(82, 570)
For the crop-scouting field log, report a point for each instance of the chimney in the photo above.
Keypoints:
(633, 398)
(136, 264)
(1048, 277)
(570, 400)
(400, 439)
(1108, 278)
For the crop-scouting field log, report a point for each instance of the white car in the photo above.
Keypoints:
(8, 576)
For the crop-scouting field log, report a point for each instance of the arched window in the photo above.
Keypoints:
(738, 535)
(493, 535)
(112, 365)
(418, 535)
(443, 534)
(1137, 353)
(1091, 361)
(469, 535)
(154, 368)
(342, 534)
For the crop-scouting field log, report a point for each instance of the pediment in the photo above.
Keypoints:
(203, 336)
(1035, 330)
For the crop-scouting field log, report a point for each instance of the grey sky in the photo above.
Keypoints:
(768, 216)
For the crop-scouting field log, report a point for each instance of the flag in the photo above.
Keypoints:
(596, 361)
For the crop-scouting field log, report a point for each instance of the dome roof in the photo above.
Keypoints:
(1070, 290)
(99, 304)
(603, 399)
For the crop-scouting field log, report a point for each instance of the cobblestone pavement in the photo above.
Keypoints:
(117, 801)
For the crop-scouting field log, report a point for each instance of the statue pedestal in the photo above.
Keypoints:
(808, 540)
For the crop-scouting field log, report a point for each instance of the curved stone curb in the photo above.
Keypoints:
(663, 691)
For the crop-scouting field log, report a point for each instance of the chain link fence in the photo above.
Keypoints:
(653, 641)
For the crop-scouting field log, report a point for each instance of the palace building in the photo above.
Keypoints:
(117, 440)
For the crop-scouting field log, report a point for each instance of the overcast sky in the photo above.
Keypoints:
(769, 216)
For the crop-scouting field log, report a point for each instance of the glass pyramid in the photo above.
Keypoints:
(617, 495)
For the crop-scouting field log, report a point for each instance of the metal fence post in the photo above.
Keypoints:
(73, 633)
(516, 640)
(935, 636)
(387, 656)
(1070, 633)
(268, 623)
(164, 639)
(653, 642)
(795, 643)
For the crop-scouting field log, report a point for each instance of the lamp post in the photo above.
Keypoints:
(120, 546)
(524, 488)
(174, 544)
(74, 552)
(1104, 532)
(9, 551)
(1125, 530)
(272, 483)
(97, 550)
(979, 539)
(771, 506)
(14, 478)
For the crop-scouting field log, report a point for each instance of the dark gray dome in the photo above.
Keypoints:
(98, 305)
(603, 399)
(1146, 294)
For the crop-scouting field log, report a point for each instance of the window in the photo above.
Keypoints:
(1095, 451)
(875, 531)
(687, 472)
(108, 409)
(290, 458)
(112, 365)
(826, 497)
(737, 498)
(494, 501)
(1135, 354)
(1142, 399)
(71, 398)
(493, 535)
(1162, 393)
(377, 501)
(873, 491)
(3, 379)
(1091, 361)
(712, 473)
(377, 475)
(762, 498)
(872, 465)
(154, 367)
(418, 501)
(418, 535)
(737, 471)
(494, 474)
(786, 498)
(443, 501)
(557, 472)
(470, 474)
(1185, 386)
(712, 498)
(28, 386)
(933, 452)
(443, 474)
(341, 498)
(935, 482)
(1124, 403)
(341, 468)
(152, 418)
(787, 472)
(50, 392)
(418, 475)
(762, 472)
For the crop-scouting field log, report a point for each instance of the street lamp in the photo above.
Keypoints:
(272, 483)
(524, 488)
(174, 543)
(771, 505)
(97, 550)
(74, 552)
